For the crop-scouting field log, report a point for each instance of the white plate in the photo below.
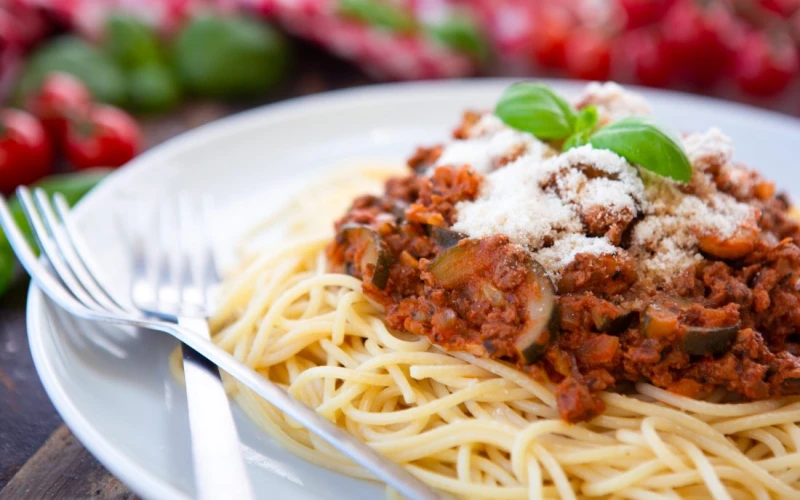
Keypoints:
(123, 404)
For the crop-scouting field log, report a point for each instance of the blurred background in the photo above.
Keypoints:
(87, 84)
(87, 72)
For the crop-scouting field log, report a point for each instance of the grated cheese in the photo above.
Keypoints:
(489, 142)
(613, 102)
(545, 202)
(566, 248)
(708, 149)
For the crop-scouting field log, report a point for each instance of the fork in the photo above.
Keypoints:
(219, 469)
(71, 283)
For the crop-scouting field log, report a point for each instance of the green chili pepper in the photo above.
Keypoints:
(70, 54)
(378, 13)
(229, 57)
(72, 186)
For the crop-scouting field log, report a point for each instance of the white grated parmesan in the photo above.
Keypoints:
(566, 248)
(542, 199)
(708, 149)
(490, 141)
(613, 102)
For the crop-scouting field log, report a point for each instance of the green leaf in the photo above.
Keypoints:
(230, 57)
(7, 264)
(642, 142)
(586, 119)
(70, 54)
(576, 140)
(460, 33)
(584, 125)
(131, 42)
(153, 88)
(378, 13)
(73, 186)
(535, 108)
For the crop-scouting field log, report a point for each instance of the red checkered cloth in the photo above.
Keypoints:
(382, 54)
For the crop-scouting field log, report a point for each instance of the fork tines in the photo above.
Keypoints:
(67, 257)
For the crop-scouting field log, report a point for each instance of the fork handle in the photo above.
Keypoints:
(219, 469)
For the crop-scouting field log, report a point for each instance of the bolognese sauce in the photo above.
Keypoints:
(582, 269)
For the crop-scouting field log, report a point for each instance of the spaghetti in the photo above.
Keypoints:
(469, 426)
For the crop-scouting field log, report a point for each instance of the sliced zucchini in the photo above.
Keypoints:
(791, 385)
(455, 265)
(373, 257)
(460, 264)
(659, 322)
(662, 321)
(702, 341)
(541, 324)
(445, 237)
(608, 323)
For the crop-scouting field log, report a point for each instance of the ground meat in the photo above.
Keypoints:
(729, 322)
(439, 194)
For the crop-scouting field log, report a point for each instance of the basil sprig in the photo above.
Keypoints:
(535, 108)
(640, 141)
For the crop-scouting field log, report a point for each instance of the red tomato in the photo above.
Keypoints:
(650, 61)
(587, 56)
(765, 66)
(553, 26)
(700, 37)
(784, 8)
(62, 98)
(25, 153)
(108, 138)
(640, 13)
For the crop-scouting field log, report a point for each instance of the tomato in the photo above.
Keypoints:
(640, 13)
(587, 56)
(784, 8)
(553, 26)
(61, 98)
(651, 64)
(700, 36)
(766, 64)
(25, 152)
(109, 137)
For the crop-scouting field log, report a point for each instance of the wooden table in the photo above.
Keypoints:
(39, 456)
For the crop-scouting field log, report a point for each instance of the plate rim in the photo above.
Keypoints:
(129, 471)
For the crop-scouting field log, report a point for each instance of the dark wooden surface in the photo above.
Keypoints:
(39, 456)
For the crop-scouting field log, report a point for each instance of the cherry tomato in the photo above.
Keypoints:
(766, 64)
(650, 62)
(62, 98)
(587, 56)
(25, 152)
(700, 36)
(553, 26)
(640, 13)
(784, 8)
(108, 138)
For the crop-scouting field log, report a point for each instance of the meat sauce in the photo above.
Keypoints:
(730, 321)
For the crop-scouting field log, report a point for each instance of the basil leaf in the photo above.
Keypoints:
(584, 125)
(586, 119)
(576, 140)
(640, 141)
(535, 108)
